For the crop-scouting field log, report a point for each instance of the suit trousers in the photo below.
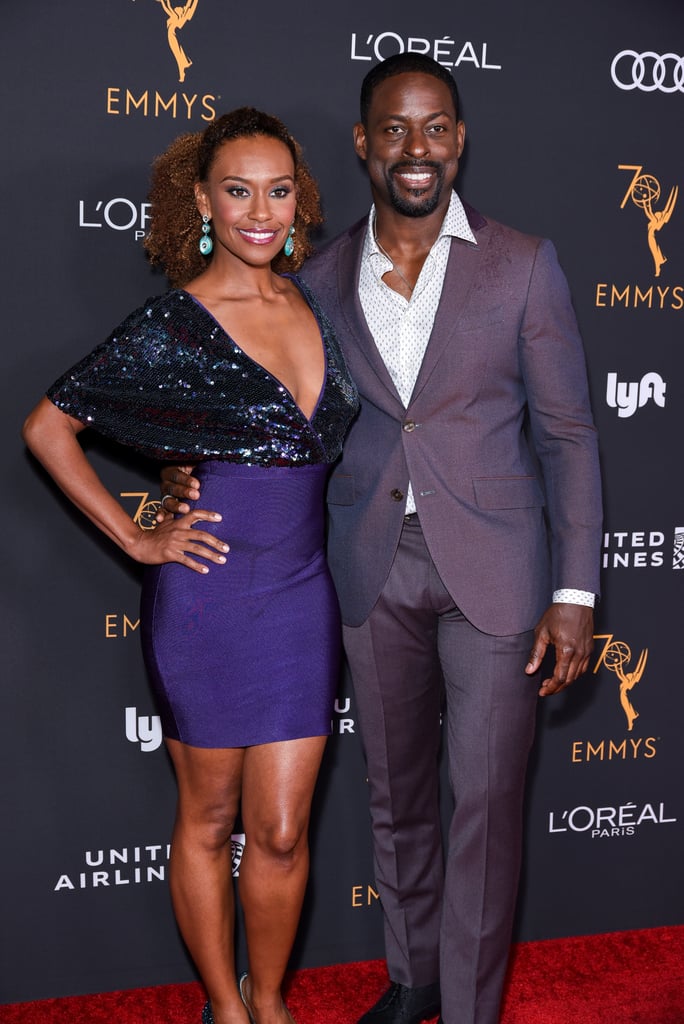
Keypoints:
(447, 916)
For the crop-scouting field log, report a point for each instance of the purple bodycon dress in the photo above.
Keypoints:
(248, 653)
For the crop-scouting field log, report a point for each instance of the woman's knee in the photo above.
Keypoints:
(282, 841)
(210, 825)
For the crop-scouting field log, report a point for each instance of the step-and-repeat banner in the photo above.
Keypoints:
(574, 115)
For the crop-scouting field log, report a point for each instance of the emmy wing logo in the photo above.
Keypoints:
(176, 19)
(644, 191)
(616, 656)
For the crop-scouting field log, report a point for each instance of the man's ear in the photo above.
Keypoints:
(360, 140)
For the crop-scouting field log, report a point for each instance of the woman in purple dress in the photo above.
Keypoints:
(237, 372)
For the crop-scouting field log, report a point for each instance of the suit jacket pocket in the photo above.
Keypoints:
(341, 489)
(508, 492)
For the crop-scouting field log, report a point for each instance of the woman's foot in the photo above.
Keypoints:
(234, 1013)
(284, 1014)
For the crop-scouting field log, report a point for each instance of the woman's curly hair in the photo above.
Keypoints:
(172, 241)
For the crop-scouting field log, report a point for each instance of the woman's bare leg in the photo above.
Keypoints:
(277, 787)
(209, 785)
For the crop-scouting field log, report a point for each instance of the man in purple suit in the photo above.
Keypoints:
(465, 521)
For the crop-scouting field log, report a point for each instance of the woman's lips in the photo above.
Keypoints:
(258, 237)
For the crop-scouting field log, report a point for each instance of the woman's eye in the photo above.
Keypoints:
(238, 191)
(280, 192)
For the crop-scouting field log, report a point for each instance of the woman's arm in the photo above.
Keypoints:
(52, 436)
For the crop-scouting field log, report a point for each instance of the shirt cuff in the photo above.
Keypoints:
(584, 597)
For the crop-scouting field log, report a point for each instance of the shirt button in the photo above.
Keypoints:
(396, 495)
(409, 426)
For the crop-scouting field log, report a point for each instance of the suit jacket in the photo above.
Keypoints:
(498, 438)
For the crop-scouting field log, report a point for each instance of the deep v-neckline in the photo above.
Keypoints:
(255, 362)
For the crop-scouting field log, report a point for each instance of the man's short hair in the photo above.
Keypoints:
(401, 64)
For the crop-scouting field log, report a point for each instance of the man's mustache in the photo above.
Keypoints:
(407, 165)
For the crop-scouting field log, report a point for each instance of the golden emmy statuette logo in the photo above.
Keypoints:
(177, 18)
(644, 191)
(146, 511)
(616, 656)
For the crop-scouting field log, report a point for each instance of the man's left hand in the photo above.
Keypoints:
(570, 628)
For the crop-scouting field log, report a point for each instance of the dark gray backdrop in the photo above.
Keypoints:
(90, 95)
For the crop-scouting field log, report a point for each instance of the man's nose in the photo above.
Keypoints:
(416, 143)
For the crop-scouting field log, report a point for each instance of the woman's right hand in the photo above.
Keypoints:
(176, 540)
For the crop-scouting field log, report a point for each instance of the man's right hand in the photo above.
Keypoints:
(177, 487)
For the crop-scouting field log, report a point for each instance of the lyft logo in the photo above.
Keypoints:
(143, 729)
(628, 397)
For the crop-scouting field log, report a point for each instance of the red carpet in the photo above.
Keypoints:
(620, 978)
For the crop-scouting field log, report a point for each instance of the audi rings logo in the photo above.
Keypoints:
(648, 71)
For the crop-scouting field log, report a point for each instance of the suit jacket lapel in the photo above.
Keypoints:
(358, 336)
(464, 261)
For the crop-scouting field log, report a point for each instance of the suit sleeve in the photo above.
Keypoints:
(561, 422)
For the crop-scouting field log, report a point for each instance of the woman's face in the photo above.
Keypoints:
(250, 198)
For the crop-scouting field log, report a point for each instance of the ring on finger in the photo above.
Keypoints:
(164, 499)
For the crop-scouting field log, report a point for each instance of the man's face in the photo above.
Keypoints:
(411, 144)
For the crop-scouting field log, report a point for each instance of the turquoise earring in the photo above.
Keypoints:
(205, 243)
(288, 248)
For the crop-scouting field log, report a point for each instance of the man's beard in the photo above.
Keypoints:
(417, 207)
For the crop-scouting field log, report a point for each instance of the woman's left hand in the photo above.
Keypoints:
(176, 540)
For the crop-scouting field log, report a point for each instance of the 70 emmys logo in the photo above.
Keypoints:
(617, 656)
(644, 191)
(146, 511)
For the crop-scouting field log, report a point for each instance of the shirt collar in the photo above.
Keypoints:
(455, 224)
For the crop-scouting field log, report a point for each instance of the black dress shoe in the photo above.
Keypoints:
(403, 1005)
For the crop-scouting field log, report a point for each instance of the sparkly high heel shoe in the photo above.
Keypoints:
(207, 1015)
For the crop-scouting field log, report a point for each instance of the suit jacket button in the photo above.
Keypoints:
(409, 426)
(397, 495)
